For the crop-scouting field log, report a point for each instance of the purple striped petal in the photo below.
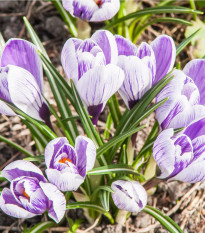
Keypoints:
(92, 10)
(66, 181)
(107, 43)
(192, 174)
(146, 53)
(195, 69)
(80, 56)
(11, 207)
(138, 79)
(165, 54)
(164, 153)
(22, 168)
(57, 201)
(125, 46)
(99, 84)
(69, 58)
(182, 106)
(24, 54)
(80, 8)
(195, 129)
(26, 95)
(86, 152)
(4, 93)
(106, 10)
(129, 195)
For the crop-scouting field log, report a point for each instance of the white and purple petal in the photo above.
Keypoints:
(195, 69)
(195, 129)
(107, 43)
(11, 207)
(125, 46)
(24, 54)
(106, 10)
(165, 54)
(129, 195)
(86, 152)
(146, 53)
(67, 181)
(26, 95)
(22, 168)
(97, 85)
(138, 79)
(56, 199)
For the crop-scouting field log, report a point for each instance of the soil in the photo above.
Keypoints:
(184, 203)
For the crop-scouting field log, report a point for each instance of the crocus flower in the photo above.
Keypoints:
(186, 102)
(129, 195)
(21, 78)
(182, 156)
(93, 70)
(67, 166)
(30, 194)
(92, 10)
(143, 66)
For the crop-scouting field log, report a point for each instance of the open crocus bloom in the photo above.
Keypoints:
(67, 166)
(30, 194)
(181, 157)
(92, 10)
(88, 64)
(129, 195)
(143, 66)
(186, 97)
(21, 78)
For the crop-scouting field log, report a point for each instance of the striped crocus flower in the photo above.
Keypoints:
(92, 10)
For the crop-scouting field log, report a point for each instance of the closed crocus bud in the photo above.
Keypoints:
(67, 166)
(21, 76)
(129, 195)
(181, 157)
(92, 10)
(30, 194)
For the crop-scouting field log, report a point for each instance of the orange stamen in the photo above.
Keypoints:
(25, 194)
(98, 2)
(64, 160)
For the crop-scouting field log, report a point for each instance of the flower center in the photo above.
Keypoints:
(98, 2)
(25, 194)
(64, 160)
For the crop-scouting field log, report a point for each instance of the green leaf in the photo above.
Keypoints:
(114, 110)
(98, 189)
(114, 168)
(66, 17)
(39, 158)
(154, 11)
(166, 221)
(109, 121)
(16, 146)
(105, 199)
(102, 149)
(184, 43)
(91, 206)
(41, 227)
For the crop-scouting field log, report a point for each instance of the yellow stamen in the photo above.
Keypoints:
(98, 2)
(25, 194)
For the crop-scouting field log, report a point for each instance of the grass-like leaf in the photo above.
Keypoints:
(41, 227)
(102, 149)
(166, 221)
(154, 11)
(114, 168)
(105, 199)
(184, 43)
